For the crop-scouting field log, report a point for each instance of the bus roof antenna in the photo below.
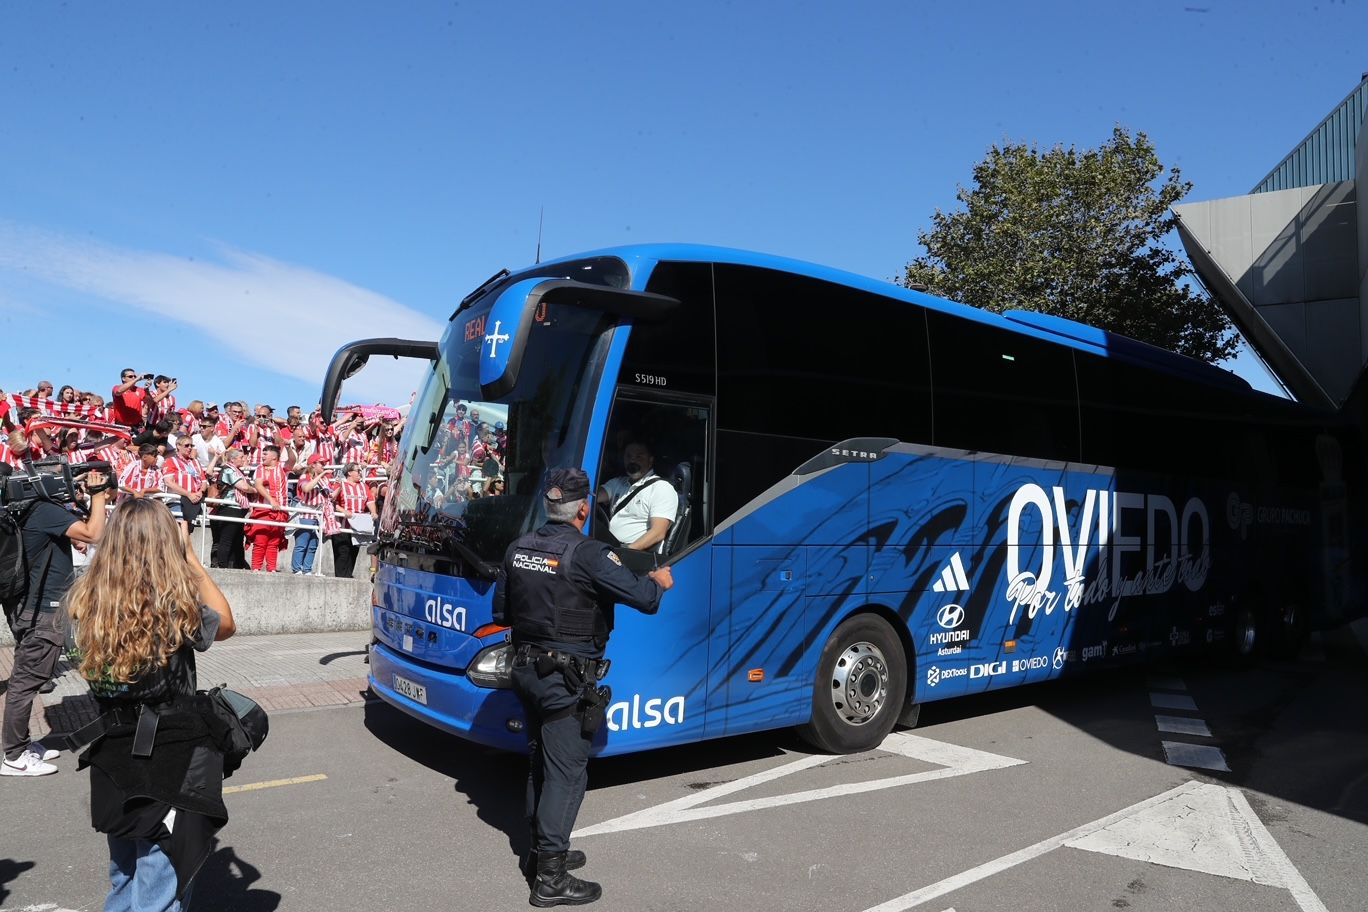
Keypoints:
(541, 217)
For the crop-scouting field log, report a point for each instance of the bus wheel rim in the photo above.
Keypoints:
(1248, 634)
(859, 683)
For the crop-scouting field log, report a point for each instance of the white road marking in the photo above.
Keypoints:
(1172, 701)
(1199, 827)
(998, 865)
(1201, 830)
(273, 783)
(1292, 879)
(953, 760)
(1166, 682)
(1182, 725)
(1196, 756)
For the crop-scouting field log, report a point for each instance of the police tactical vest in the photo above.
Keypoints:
(545, 604)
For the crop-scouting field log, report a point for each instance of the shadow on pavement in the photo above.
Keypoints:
(224, 884)
(9, 871)
(334, 656)
(494, 782)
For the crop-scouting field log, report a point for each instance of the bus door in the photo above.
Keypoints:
(662, 657)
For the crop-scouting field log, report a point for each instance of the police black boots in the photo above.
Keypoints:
(555, 886)
(574, 860)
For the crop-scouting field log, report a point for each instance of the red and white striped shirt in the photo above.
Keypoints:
(8, 456)
(325, 445)
(354, 447)
(266, 436)
(274, 479)
(237, 441)
(162, 407)
(353, 496)
(134, 477)
(319, 497)
(75, 456)
(184, 472)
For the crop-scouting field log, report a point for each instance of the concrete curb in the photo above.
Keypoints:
(270, 603)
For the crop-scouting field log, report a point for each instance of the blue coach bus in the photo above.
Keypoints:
(885, 498)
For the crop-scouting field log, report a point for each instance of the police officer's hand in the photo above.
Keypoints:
(663, 577)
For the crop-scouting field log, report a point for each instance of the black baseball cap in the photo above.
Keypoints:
(566, 485)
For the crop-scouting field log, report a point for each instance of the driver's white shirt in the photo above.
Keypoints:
(659, 500)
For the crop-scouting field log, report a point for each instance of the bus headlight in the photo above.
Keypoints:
(493, 666)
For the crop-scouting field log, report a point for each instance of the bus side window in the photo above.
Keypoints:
(676, 434)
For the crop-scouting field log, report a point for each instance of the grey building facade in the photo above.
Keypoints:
(1289, 261)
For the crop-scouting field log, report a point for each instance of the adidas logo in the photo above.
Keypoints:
(953, 577)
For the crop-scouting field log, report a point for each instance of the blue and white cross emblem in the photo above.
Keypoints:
(495, 337)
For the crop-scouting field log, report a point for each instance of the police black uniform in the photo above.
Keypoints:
(557, 592)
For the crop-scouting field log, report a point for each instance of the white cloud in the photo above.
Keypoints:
(244, 302)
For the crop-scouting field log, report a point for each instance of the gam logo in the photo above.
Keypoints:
(623, 715)
(444, 614)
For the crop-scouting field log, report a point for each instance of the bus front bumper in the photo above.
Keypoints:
(452, 702)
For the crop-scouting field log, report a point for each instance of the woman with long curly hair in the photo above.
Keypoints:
(142, 610)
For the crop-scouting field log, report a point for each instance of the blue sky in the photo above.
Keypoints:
(227, 192)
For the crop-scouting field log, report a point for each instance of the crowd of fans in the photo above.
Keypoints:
(259, 475)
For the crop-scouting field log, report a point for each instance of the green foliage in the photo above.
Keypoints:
(1075, 234)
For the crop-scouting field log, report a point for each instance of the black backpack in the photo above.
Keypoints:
(14, 577)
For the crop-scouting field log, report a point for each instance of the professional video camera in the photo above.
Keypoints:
(52, 480)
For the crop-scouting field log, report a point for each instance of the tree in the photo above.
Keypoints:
(1075, 234)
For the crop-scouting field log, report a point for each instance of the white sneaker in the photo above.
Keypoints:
(28, 764)
(46, 753)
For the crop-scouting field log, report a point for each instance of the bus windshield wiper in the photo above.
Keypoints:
(478, 564)
(475, 295)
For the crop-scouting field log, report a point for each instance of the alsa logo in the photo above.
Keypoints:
(444, 614)
(638, 714)
(535, 562)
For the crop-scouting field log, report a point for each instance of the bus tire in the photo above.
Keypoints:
(1291, 633)
(861, 687)
(1247, 636)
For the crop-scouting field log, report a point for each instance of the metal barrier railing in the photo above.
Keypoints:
(206, 518)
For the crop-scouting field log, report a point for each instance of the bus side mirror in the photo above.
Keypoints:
(350, 358)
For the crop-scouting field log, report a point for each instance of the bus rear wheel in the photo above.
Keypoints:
(860, 688)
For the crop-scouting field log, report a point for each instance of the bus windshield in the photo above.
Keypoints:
(471, 469)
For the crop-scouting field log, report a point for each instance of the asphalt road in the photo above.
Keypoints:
(1054, 797)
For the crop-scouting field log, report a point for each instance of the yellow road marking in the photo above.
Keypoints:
(273, 783)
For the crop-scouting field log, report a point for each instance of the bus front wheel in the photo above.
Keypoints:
(860, 688)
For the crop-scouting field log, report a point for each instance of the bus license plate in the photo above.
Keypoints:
(415, 692)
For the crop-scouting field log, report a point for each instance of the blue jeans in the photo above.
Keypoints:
(305, 547)
(141, 878)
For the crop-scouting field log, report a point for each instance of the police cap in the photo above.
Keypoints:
(566, 485)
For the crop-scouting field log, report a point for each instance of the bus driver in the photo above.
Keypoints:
(641, 504)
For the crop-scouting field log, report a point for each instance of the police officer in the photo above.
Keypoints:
(557, 592)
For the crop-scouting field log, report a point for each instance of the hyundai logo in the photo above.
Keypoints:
(950, 617)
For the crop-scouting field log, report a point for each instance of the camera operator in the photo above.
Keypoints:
(39, 621)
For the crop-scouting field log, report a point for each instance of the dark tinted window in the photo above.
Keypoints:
(1002, 392)
(799, 357)
(676, 355)
(1138, 418)
(802, 364)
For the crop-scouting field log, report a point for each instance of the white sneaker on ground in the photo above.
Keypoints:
(46, 753)
(28, 764)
